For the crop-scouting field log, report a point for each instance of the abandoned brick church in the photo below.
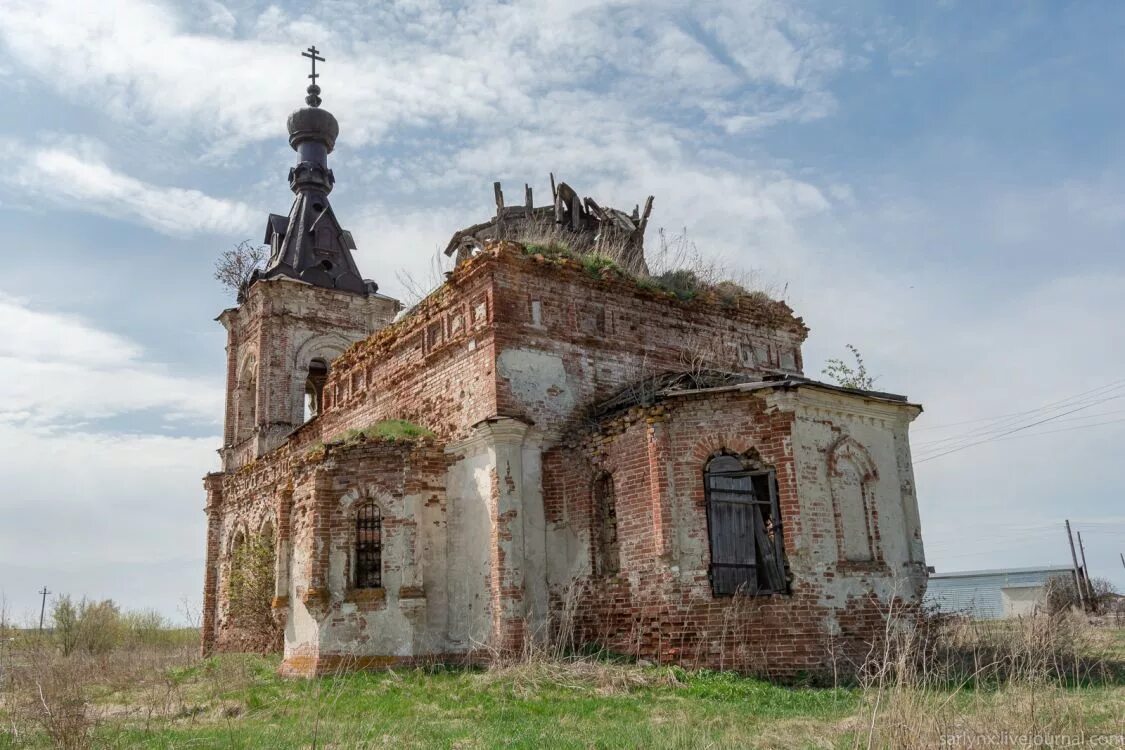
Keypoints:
(547, 446)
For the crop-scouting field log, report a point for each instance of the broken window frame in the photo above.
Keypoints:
(757, 496)
(315, 379)
(368, 547)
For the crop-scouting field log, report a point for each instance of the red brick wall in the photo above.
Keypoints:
(437, 367)
(434, 368)
(660, 606)
(300, 493)
(609, 332)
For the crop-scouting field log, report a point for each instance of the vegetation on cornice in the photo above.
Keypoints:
(387, 431)
(695, 282)
(682, 276)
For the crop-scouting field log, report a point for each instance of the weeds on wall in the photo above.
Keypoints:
(388, 430)
(677, 267)
(251, 591)
(847, 375)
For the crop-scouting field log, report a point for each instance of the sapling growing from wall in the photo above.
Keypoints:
(235, 266)
(844, 374)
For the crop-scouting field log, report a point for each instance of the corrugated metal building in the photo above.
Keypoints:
(992, 594)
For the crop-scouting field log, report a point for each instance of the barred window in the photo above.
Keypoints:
(744, 527)
(368, 547)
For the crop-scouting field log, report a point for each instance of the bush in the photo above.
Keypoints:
(1062, 595)
(596, 264)
(93, 627)
(99, 627)
(682, 282)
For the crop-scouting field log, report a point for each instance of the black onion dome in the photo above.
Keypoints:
(312, 124)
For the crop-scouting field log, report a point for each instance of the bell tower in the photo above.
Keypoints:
(304, 308)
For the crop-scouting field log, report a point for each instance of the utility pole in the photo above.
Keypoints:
(42, 607)
(1074, 559)
(1085, 570)
(1122, 558)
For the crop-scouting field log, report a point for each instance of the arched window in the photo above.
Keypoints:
(368, 547)
(607, 560)
(314, 388)
(744, 527)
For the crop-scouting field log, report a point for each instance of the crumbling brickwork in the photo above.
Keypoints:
(536, 378)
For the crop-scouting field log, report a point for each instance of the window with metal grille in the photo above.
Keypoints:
(368, 547)
(744, 526)
(608, 560)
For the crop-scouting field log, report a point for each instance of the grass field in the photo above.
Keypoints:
(165, 697)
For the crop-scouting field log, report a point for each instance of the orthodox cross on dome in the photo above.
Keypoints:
(313, 54)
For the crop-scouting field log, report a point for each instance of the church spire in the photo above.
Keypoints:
(309, 244)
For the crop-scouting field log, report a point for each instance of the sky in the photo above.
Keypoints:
(937, 184)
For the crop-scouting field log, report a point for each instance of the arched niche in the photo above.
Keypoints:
(852, 477)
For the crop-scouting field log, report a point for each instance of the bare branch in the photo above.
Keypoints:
(235, 266)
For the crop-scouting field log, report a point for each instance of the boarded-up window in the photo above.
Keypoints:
(607, 554)
(368, 547)
(744, 525)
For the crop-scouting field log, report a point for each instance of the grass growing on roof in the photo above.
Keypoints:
(390, 430)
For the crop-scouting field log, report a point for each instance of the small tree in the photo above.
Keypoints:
(235, 266)
(65, 616)
(99, 626)
(847, 376)
(93, 627)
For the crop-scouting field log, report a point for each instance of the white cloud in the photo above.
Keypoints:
(61, 371)
(487, 63)
(72, 174)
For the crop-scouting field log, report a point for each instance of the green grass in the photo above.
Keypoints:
(239, 702)
(160, 698)
(389, 430)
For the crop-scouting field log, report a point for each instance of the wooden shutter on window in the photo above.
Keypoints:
(730, 510)
(744, 524)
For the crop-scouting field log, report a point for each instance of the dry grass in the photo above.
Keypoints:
(65, 697)
(956, 680)
(919, 688)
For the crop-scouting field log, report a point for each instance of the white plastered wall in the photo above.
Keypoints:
(876, 430)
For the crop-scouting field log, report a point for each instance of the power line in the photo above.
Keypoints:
(925, 455)
(997, 432)
(1022, 413)
(1065, 429)
(1003, 434)
(1001, 425)
(1068, 419)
